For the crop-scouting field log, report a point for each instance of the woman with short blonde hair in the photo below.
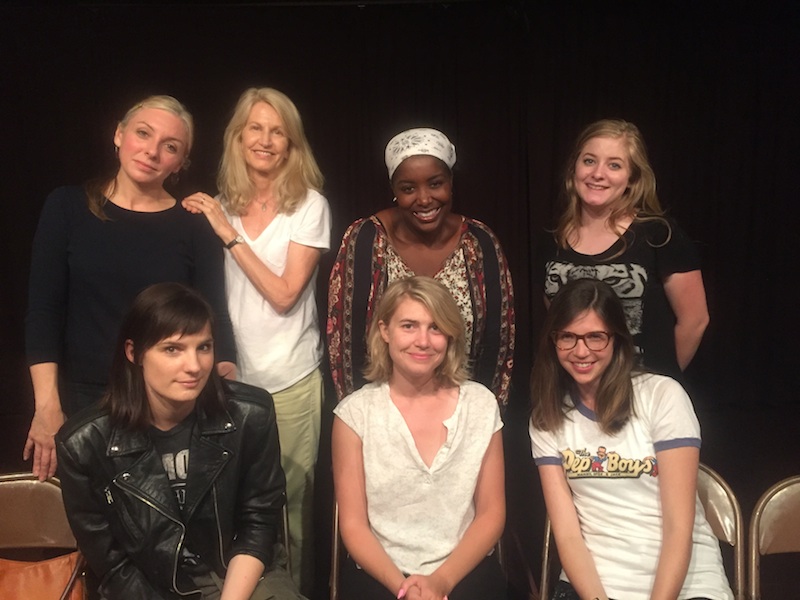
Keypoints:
(418, 459)
(95, 248)
(438, 301)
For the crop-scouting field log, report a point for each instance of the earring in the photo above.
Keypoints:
(116, 149)
(394, 200)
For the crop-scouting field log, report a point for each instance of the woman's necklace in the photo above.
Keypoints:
(267, 205)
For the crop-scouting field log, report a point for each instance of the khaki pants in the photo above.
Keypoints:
(298, 411)
(276, 584)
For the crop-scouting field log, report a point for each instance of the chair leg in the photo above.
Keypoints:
(335, 552)
(78, 571)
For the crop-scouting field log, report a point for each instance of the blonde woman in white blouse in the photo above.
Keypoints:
(418, 459)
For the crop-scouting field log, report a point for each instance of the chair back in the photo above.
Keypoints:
(33, 514)
(774, 527)
(33, 522)
(724, 514)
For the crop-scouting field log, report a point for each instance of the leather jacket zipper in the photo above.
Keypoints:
(131, 490)
(219, 527)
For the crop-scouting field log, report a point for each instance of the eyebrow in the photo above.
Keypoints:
(409, 321)
(428, 180)
(593, 155)
(179, 341)
(150, 127)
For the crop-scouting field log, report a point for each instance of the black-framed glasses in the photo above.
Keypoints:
(594, 340)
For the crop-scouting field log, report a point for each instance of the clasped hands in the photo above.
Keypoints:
(422, 587)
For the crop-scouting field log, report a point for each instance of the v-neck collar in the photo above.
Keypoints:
(449, 423)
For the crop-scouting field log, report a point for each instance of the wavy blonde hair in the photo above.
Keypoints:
(639, 199)
(96, 189)
(300, 172)
(444, 310)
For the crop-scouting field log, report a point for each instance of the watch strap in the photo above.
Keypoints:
(237, 240)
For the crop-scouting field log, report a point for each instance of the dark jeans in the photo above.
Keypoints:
(485, 582)
(565, 591)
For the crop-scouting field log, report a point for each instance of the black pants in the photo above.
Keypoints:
(485, 582)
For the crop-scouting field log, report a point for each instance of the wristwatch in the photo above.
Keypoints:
(237, 240)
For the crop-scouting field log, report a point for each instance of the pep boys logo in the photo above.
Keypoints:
(582, 463)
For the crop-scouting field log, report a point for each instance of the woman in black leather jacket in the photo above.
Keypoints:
(173, 486)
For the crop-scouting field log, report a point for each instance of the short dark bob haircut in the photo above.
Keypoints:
(552, 388)
(158, 312)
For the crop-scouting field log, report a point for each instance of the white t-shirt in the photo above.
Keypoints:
(419, 513)
(275, 351)
(614, 483)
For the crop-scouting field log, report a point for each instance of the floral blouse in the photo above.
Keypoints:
(476, 273)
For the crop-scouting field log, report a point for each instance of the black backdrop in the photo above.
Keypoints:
(713, 86)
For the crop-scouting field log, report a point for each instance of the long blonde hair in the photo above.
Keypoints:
(97, 189)
(639, 199)
(300, 172)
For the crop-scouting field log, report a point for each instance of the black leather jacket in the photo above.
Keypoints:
(125, 516)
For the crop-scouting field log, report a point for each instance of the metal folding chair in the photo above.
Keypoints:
(33, 522)
(774, 527)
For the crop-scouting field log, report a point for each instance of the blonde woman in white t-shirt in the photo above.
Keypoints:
(275, 224)
(418, 459)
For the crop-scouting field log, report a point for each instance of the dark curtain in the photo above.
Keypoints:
(714, 87)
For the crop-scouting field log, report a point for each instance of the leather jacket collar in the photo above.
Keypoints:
(138, 463)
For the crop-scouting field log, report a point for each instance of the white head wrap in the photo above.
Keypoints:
(414, 142)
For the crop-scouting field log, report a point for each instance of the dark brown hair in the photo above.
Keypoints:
(552, 388)
(158, 312)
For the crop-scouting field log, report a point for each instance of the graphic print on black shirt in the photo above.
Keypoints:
(173, 446)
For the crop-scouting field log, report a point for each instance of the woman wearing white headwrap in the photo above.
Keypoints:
(419, 235)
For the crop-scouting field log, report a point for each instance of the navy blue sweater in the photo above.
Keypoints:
(85, 273)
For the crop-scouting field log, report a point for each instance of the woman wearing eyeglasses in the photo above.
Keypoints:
(618, 453)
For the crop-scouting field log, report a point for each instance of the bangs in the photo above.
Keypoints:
(165, 310)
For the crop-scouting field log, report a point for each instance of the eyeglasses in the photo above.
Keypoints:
(594, 340)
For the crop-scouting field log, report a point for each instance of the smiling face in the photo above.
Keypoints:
(265, 145)
(586, 366)
(152, 145)
(175, 371)
(416, 345)
(423, 186)
(602, 172)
